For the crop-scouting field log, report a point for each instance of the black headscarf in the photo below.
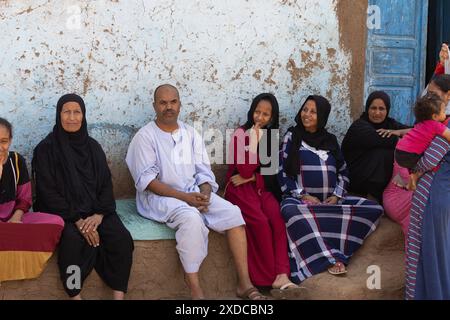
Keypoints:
(270, 181)
(274, 122)
(321, 139)
(369, 156)
(78, 166)
(74, 153)
(388, 123)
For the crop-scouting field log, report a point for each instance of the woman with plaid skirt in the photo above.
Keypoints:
(324, 226)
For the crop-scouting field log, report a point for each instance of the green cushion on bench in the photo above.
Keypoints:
(140, 227)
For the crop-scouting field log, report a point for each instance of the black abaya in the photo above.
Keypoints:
(73, 181)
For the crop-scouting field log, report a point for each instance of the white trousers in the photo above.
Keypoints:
(192, 226)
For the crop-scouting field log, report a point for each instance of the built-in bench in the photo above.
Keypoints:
(157, 272)
(141, 229)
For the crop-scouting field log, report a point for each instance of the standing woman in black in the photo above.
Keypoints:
(73, 181)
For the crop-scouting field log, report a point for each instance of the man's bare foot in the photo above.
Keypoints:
(193, 283)
(197, 293)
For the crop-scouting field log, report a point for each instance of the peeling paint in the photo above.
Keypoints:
(294, 72)
(257, 74)
(238, 75)
(219, 54)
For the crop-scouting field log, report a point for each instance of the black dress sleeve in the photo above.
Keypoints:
(23, 170)
(362, 135)
(49, 193)
(105, 203)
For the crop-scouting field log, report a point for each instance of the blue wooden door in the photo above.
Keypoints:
(396, 53)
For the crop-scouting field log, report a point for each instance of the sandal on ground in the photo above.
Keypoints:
(337, 269)
(252, 294)
(289, 291)
(287, 286)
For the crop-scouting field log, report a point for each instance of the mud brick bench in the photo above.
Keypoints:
(157, 271)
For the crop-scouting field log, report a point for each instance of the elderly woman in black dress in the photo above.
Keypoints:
(369, 145)
(73, 181)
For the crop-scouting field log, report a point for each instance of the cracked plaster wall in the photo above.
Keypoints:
(220, 54)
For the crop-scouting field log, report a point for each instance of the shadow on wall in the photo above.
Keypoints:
(115, 140)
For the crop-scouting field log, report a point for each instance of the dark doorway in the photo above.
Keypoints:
(438, 32)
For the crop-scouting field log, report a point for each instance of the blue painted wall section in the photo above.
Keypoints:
(396, 54)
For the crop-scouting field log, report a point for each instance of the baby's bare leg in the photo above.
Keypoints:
(413, 178)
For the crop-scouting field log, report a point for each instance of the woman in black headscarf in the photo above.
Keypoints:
(324, 226)
(369, 145)
(73, 181)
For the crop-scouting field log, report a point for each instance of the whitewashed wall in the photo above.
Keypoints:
(220, 54)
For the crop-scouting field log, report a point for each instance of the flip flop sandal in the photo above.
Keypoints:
(252, 294)
(335, 273)
(290, 291)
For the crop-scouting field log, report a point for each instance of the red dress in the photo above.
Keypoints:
(440, 69)
(265, 228)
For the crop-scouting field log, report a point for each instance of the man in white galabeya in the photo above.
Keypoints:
(175, 185)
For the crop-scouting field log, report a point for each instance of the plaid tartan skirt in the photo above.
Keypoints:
(320, 235)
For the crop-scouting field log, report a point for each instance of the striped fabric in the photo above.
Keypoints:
(318, 177)
(432, 157)
(320, 235)
(26, 247)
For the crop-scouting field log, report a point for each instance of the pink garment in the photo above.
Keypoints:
(42, 218)
(420, 137)
(22, 201)
(397, 201)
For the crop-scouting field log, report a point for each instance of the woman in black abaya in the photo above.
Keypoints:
(369, 145)
(73, 181)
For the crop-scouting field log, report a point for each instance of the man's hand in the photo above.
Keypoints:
(196, 199)
(199, 200)
(206, 190)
